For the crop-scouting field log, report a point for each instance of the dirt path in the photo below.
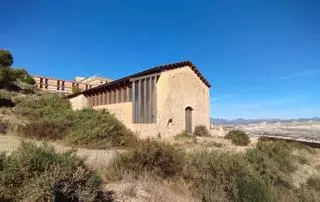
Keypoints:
(95, 159)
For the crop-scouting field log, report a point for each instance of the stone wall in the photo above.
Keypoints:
(122, 111)
(79, 102)
(176, 90)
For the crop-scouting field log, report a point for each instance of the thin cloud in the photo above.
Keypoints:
(295, 75)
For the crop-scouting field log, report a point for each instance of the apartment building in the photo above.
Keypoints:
(68, 87)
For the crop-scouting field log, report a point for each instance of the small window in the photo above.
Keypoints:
(46, 84)
(62, 88)
(41, 81)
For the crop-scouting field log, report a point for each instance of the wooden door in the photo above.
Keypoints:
(188, 114)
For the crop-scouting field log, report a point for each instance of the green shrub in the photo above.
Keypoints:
(158, 158)
(7, 74)
(24, 76)
(98, 129)
(43, 129)
(45, 106)
(267, 168)
(290, 143)
(274, 162)
(201, 131)
(52, 114)
(237, 137)
(224, 176)
(47, 116)
(280, 152)
(34, 173)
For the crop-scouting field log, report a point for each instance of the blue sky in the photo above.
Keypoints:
(261, 57)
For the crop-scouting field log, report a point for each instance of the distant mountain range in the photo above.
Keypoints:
(219, 121)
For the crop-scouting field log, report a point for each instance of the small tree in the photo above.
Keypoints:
(7, 74)
(6, 58)
(24, 76)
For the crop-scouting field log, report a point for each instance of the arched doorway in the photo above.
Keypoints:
(188, 119)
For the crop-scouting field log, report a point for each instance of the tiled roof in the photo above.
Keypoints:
(157, 69)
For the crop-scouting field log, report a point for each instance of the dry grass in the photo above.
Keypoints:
(184, 139)
(146, 188)
(137, 188)
(308, 167)
(43, 129)
(214, 144)
(259, 174)
(314, 183)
